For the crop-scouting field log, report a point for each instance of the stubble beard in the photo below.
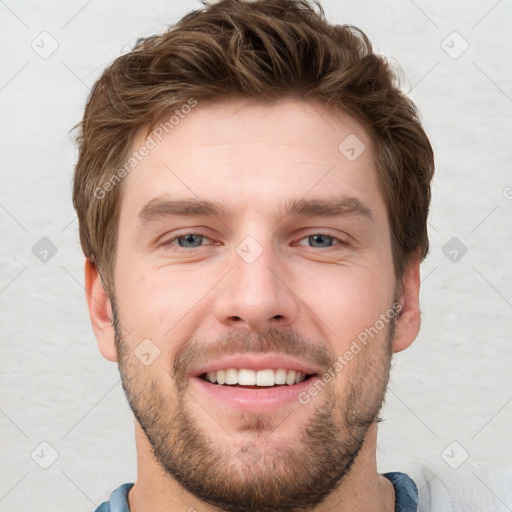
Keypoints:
(258, 476)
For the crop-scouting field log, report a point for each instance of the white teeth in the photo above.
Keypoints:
(231, 376)
(247, 377)
(290, 377)
(221, 376)
(280, 377)
(263, 378)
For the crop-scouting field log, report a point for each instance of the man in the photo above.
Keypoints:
(252, 190)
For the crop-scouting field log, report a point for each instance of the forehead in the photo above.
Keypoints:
(243, 152)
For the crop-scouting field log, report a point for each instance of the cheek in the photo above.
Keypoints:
(348, 300)
(155, 301)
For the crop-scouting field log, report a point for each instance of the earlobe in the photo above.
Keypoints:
(408, 320)
(100, 311)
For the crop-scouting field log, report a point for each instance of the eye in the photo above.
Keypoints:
(194, 240)
(187, 241)
(321, 240)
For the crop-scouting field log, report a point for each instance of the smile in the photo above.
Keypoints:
(255, 378)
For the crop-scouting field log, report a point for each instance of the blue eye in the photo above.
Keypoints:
(187, 241)
(190, 240)
(195, 240)
(320, 239)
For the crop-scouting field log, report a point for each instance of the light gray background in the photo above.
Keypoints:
(453, 384)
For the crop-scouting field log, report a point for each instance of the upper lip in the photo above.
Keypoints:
(256, 362)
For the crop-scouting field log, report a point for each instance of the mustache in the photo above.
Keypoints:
(197, 351)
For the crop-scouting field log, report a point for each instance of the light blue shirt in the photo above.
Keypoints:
(406, 495)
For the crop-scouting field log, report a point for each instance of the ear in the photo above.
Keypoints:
(409, 321)
(100, 311)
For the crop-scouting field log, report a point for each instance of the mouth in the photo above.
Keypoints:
(255, 379)
(253, 383)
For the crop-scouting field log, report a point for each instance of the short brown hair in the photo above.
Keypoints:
(268, 50)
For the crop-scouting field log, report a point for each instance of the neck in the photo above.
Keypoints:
(361, 490)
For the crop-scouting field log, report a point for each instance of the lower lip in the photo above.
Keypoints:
(256, 401)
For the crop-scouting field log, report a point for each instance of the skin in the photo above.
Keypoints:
(251, 157)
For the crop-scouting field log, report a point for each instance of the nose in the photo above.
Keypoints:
(257, 293)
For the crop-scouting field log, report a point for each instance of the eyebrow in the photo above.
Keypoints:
(327, 207)
(162, 207)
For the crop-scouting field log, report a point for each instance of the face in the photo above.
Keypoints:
(253, 256)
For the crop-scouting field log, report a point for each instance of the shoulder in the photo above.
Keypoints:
(118, 501)
(406, 491)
